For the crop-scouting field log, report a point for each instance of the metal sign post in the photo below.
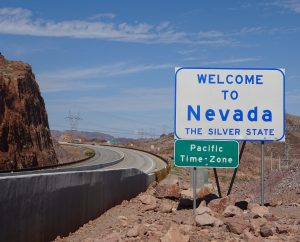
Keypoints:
(262, 199)
(194, 175)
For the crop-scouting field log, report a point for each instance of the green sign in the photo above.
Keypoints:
(206, 153)
(113, 142)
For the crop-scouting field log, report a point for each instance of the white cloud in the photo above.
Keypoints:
(292, 5)
(187, 51)
(22, 22)
(104, 26)
(102, 16)
(127, 100)
(265, 30)
(233, 60)
(203, 61)
(76, 79)
(101, 71)
(210, 34)
(17, 13)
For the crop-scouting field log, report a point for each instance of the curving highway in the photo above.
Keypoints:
(106, 158)
(120, 158)
(141, 160)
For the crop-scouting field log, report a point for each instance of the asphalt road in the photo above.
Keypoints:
(131, 159)
(106, 158)
(137, 159)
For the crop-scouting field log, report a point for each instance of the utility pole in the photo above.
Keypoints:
(152, 133)
(73, 121)
(141, 133)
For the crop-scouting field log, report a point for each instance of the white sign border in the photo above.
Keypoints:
(177, 69)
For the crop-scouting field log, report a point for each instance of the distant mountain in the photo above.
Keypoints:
(84, 135)
(69, 135)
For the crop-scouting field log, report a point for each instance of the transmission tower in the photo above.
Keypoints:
(141, 133)
(73, 120)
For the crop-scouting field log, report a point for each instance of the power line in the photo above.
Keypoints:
(73, 120)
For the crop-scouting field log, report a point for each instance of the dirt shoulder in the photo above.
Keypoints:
(69, 153)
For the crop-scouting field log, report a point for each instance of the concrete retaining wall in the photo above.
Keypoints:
(41, 207)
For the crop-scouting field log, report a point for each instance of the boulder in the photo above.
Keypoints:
(175, 235)
(236, 224)
(137, 230)
(168, 188)
(231, 211)
(257, 224)
(271, 217)
(205, 190)
(202, 203)
(123, 220)
(201, 210)
(133, 232)
(259, 211)
(165, 206)
(252, 204)
(266, 231)
(188, 193)
(248, 235)
(206, 219)
(149, 201)
(186, 229)
(282, 229)
(113, 237)
(219, 205)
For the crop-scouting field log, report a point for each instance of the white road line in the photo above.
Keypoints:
(152, 164)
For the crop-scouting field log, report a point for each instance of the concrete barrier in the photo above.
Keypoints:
(40, 207)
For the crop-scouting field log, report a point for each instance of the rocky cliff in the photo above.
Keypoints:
(25, 139)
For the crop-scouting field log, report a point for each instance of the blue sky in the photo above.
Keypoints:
(113, 61)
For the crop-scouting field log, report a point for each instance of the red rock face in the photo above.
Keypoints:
(25, 139)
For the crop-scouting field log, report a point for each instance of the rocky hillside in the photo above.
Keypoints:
(69, 135)
(164, 147)
(86, 137)
(158, 215)
(25, 139)
(282, 177)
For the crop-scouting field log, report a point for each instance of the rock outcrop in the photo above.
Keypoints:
(25, 139)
